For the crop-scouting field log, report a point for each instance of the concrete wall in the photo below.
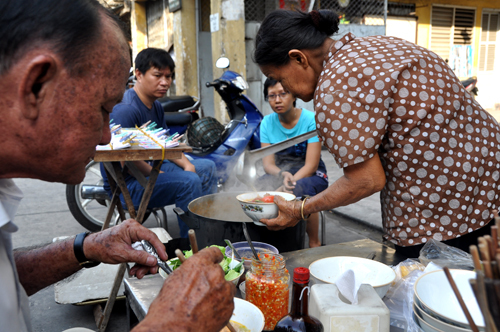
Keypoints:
(228, 39)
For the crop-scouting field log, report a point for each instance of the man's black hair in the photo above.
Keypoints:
(154, 57)
(269, 83)
(69, 27)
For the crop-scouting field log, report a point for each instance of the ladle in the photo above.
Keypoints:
(247, 236)
(233, 249)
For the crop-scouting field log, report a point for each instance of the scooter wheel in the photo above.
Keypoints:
(204, 132)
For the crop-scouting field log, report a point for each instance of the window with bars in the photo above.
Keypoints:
(450, 26)
(489, 29)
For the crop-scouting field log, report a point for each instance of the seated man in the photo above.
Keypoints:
(180, 181)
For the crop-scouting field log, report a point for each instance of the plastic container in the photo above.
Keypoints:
(244, 250)
(267, 287)
(370, 314)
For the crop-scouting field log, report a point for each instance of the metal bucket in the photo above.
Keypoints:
(219, 216)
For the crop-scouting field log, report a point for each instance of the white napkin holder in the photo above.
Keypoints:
(337, 314)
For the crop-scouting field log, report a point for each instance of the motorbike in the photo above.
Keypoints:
(470, 85)
(225, 145)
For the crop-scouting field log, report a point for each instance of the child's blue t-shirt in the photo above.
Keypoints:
(271, 132)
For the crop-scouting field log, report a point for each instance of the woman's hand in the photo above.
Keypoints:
(288, 182)
(289, 214)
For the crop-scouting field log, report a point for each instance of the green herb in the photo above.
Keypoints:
(174, 263)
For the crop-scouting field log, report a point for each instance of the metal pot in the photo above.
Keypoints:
(219, 216)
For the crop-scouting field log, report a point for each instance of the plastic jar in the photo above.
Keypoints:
(267, 286)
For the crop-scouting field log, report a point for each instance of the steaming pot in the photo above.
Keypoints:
(219, 216)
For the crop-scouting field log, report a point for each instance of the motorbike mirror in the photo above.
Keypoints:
(222, 63)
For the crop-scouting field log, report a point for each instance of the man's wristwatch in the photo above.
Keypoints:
(79, 254)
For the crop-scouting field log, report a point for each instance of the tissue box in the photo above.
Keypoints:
(369, 315)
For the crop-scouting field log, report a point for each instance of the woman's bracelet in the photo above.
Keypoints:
(302, 209)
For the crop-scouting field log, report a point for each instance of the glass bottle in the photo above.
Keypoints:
(267, 287)
(298, 320)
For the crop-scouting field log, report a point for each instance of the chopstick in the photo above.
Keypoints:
(180, 255)
(194, 247)
(460, 299)
(192, 241)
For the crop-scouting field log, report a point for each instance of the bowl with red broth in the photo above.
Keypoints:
(260, 205)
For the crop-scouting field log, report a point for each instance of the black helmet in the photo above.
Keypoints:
(204, 132)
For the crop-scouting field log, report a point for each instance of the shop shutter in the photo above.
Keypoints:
(441, 31)
(450, 26)
(489, 30)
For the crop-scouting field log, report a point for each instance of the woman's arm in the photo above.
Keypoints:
(359, 181)
(269, 163)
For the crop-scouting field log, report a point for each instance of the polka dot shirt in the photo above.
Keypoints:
(440, 150)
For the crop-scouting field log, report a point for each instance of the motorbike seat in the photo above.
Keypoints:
(178, 118)
(176, 103)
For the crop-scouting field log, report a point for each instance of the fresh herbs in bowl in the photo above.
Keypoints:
(232, 269)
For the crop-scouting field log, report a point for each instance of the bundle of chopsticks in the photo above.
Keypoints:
(486, 287)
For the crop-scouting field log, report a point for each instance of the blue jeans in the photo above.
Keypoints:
(179, 187)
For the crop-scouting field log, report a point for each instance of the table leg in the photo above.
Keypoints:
(102, 317)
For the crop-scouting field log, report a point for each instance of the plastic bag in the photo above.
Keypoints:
(445, 255)
(399, 298)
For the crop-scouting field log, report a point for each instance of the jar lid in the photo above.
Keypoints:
(301, 275)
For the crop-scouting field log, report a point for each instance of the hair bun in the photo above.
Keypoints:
(325, 21)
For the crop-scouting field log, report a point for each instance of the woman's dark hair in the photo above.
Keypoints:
(283, 30)
(69, 26)
(154, 57)
(270, 83)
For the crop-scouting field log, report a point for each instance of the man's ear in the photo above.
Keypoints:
(298, 57)
(138, 74)
(39, 71)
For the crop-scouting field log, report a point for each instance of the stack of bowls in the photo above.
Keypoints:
(435, 306)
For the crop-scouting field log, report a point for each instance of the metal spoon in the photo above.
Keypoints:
(233, 249)
(151, 250)
(247, 236)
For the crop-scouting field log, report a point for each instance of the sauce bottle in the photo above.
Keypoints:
(298, 320)
(267, 287)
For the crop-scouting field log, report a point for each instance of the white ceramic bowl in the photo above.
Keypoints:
(234, 280)
(434, 295)
(436, 323)
(242, 290)
(378, 275)
(248, 315)
(426, 327)
(257, 211)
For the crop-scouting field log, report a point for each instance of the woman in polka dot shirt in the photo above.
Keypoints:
(397, 120)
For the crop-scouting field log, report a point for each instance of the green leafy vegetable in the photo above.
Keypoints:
(230, 274)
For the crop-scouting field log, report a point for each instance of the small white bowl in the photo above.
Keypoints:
(248, 315)
(434, 295)
(378, 275)
(257, 211)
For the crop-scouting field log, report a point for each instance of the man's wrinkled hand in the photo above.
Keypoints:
(288, 216)
(114, 245)
(196, 297)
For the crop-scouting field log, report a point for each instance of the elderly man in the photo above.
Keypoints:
(63, 67)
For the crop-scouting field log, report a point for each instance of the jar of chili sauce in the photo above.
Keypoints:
(267, 286)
